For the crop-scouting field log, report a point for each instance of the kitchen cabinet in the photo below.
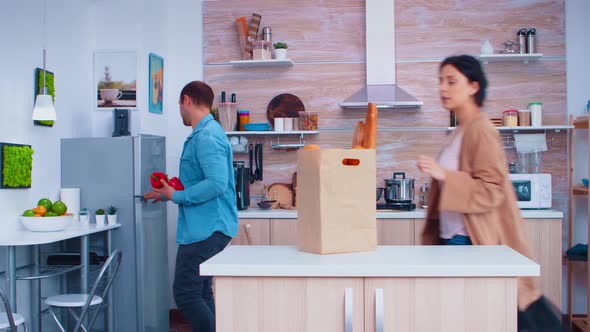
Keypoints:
(545, 236)
(419, 225)
(283, 232)
(252, 232)
(259, 304)
(440, 304)
(395, 232)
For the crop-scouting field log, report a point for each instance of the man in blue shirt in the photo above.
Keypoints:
(207, 213)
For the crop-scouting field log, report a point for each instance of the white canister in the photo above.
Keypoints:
(536, 114)
(279, 124)
(71, 198)
(288, 124)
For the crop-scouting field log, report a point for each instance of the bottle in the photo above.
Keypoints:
(223, 96)
(530, 41)
(424, 196)
(588, 106)
(521, 37)
(453, 119)
(266, 34)
(234, 109)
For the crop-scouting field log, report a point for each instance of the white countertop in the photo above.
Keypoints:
(386, 261)
(23, 237)
(256, 213)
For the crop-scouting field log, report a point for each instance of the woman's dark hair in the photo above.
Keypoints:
(199, 92)
(471, 68)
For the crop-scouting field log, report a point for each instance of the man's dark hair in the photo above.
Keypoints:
(199, 92)
(471, 68)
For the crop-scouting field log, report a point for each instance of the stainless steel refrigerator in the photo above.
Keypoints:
(116, 171)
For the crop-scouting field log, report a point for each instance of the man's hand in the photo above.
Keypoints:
(166, 190)
(429, 166)
(152, 195)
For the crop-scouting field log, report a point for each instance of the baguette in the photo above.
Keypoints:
(370, 139)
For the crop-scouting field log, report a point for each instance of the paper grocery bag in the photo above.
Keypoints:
(336, 200)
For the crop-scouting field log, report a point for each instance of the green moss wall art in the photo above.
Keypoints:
(50, 83)
(17, 165)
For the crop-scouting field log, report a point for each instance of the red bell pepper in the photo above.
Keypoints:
(156, 177)
(175, 183)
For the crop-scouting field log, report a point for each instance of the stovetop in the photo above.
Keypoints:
(396, 206)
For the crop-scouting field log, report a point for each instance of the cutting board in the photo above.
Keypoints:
(283, 194)
(284, 105)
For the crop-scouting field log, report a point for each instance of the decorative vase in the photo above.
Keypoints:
(280, 53)
(112, 219)
(100, 219)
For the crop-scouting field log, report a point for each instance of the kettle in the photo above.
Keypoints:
(242, 179)
(399, 189)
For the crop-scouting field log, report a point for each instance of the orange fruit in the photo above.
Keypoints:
(37, 215)
(40, 210)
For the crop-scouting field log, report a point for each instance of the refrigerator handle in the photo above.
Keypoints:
(140, 197)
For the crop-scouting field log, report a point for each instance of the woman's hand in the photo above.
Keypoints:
(429, 166)
(166, 190)
(153, 196)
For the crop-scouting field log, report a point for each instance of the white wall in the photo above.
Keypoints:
(185, 58)
(69, 41)
(578, 94)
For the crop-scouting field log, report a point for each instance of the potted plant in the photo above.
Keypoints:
(84, 216)
(280, 50)
(112, 214)
(100, 217)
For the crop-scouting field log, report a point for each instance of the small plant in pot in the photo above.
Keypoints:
(112, 214)
(100, 217)
(280, 50)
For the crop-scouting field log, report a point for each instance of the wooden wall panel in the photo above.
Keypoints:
(426, 29)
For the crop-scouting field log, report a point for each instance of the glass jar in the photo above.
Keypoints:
(536, 114)
(510, 118)
(423, 197)
(261, 50)
(308, 121)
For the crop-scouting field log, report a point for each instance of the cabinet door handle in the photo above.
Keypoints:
(348, 309)
(379, 310)
(248, 235)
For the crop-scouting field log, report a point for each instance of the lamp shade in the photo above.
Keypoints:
(44, 109)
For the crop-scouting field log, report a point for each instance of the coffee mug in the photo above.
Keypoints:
(109, 95)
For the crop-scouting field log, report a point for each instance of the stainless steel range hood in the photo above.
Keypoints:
(380, 38)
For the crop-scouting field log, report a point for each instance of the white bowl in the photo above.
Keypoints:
(47, 224)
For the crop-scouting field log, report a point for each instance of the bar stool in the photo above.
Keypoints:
(86, 302)
(10, 321)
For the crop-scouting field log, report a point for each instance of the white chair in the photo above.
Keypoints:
(10, 321)
(86, 302)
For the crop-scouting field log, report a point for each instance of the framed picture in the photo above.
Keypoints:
(156, 83)
(50, 84)
(115, 79)
(16, 162)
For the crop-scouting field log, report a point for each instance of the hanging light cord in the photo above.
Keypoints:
(44, 91)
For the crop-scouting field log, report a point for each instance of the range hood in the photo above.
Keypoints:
(380, 38)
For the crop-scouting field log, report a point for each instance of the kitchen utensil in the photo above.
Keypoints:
(251, 163)
(259, 126)
(254, 26)
(399, 189)
(521, 37)
(453, 122)
(121, 117)
(265, 205)
(245, 48)
(530, 41)
(294, 186)
(259, 159)
(282, 193)
(406, 206)
(379, 193)
(284, 106)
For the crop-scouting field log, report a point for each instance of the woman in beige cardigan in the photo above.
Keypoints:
(472, 200)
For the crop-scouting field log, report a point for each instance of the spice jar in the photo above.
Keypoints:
(510, 118)
(423, 197)
(261, 50)
(524, 118)
(308, 121)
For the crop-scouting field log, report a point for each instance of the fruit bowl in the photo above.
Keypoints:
(47, 224)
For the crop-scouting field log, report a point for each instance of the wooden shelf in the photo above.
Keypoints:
(581, 122)
(531, 128)
(517, 57)
(580, 190)
(271, 133)
(261, 63)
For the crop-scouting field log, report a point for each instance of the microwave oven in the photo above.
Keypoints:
(533, 191)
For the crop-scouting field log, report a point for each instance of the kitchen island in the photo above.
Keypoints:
(544, 230)
(395, 288)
